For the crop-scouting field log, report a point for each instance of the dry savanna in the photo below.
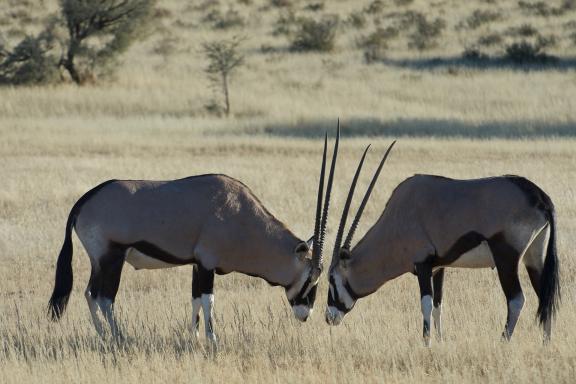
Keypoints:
(469, 89)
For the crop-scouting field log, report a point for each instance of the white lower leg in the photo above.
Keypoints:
(207, 306)
(547, 330)
(437, 315)
(196, 305)
(93, 306)
(105, 305)
(426, 306)
(514, 308)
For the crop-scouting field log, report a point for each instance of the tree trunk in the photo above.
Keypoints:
(226, 95)
(69, 62)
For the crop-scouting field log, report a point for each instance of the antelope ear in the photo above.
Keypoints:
(302, 248)
(310, 242)
(344, 254)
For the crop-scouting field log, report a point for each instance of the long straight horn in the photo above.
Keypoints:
(316, 242)
(317, 250)
(336, 253)
(365, 200)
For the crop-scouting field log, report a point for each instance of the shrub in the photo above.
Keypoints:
(376, 43)
(230, 19)
(480, 17)
(314, 7)
(527, 53)
(315, 35)
(286, 24)
(376, 6)
(426, 33)
(490, 40)
(29, 63)
(525, 30)
(357, 20)
(474, 54)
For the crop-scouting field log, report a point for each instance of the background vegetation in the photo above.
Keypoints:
(464, 86)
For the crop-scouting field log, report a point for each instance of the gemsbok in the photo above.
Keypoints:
(433, 222)
(213, 222)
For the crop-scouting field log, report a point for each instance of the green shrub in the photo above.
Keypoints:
(313, 35)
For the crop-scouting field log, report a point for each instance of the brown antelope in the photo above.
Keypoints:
(431, 223)
(213, 222)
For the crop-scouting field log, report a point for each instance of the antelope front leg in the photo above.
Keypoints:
(424, 273)
(207, 301)
(437, 282)
(196, 301)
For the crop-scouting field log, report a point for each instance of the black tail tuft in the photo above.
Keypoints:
(64, 277)
(550, 278)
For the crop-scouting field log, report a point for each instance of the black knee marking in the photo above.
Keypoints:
(437, 283)
(195, 282)
(105, 281)
(205, 280)
(424, 273)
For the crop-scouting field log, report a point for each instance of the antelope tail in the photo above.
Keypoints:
(64, 276)
(550, 279)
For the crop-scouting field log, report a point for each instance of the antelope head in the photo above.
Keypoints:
(341, 297)
(302, 294)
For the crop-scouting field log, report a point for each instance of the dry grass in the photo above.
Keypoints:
(46, 169)
(150, 122)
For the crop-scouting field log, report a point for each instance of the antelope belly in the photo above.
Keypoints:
(139, 260)
(479, 257)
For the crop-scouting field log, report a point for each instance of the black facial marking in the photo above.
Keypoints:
(335, 301)
(307, 300)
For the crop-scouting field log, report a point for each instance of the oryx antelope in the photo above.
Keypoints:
(211, 221)
(431, 223)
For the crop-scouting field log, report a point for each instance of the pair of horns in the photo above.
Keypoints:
(348, 241)
(322, 210)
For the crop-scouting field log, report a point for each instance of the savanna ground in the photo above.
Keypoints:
(149, 122)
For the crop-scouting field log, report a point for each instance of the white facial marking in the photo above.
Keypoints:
(478, 257)
(295, 288)
(301, 312)
(334, 315)
(343, 294)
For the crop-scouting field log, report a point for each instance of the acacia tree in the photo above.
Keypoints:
(224, 58)
(117, 22)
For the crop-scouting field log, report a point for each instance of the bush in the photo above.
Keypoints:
(315, 35)
(480, 17)
(490, 40)
(426, 32)
(29, 63)
(527, 53)
(474, 54)
(357, 20)
(376, 43)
